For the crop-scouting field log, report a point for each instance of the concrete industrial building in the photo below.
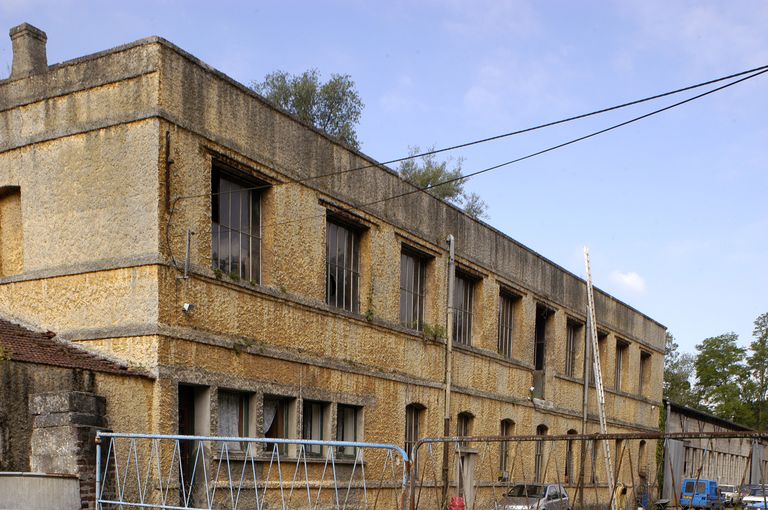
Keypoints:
(741, 462)
(308, 306)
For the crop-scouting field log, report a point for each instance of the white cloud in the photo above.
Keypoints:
(630, 281)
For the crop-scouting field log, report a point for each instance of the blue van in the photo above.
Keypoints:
(700, 494)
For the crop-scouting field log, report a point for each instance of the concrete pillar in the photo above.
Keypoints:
(63, 436)
(29, 55)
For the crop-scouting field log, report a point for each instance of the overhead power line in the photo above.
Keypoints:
(754, 73)
(570, 142)
(540, 126)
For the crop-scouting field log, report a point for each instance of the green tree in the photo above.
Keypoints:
(722, 378)
(678, 368)
(757, 363)
(426, 171)
(334, 106)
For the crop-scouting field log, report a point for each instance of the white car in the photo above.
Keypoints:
(730, 496)
(535, 496)
(756, 498)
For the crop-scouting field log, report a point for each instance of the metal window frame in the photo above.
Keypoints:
(346, 273)
(412, 288)
(248, 241)
(463, 307)
(507, 305)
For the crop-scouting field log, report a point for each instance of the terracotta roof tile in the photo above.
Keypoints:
(25, 345)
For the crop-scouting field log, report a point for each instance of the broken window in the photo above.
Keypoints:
(413, 268)
(569, 474)
(343, 270)
(413, 417)
(313, 425)
(507, 305)
(541, 430)
(347, 428)
(506, 430)
(464, 425)
(236, 226)
(463, 301)
(543, 316)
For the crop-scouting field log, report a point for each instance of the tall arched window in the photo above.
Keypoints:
(464, 425)
(569, 473)
(507, 429)
(541, 430)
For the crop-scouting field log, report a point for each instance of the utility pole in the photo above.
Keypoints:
(448, 364)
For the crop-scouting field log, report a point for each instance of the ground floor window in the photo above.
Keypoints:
(313, 425)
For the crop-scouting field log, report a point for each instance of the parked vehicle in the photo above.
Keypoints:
(700, 494)
(756, 498)
(535, 496)
(730, 495)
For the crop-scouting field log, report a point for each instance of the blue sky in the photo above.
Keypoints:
(673, 208)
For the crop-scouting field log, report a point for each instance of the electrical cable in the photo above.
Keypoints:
(569, 142)
(425, 189)
(504, 135)
(540, 126)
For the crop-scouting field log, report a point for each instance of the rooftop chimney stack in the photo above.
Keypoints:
(28, 51)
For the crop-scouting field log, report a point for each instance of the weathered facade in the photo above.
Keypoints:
(319, 295)
(52, 401)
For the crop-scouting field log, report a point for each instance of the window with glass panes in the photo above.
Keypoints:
(236, 227)
(343, 269)
(463, 298)
(346, 428)
(507, 304)
(313, 425)
(276, 412)
(412, 281)
(234, 416)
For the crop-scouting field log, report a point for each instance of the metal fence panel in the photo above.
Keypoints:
(205, 472)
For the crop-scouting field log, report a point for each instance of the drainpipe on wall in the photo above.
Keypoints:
(448, 363)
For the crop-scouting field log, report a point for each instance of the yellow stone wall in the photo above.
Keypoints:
(103, 256)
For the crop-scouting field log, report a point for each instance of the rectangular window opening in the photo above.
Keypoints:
(234, 416)
(621, 354)
(343, 266)
(463, 306)
(507, 306)
(347, 423)
(413, 268)
(645, 372)
(236, 225)
(276, 411)
(574, 336)
(313, 425)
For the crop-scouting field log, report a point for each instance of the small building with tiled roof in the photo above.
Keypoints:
(54, 396)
